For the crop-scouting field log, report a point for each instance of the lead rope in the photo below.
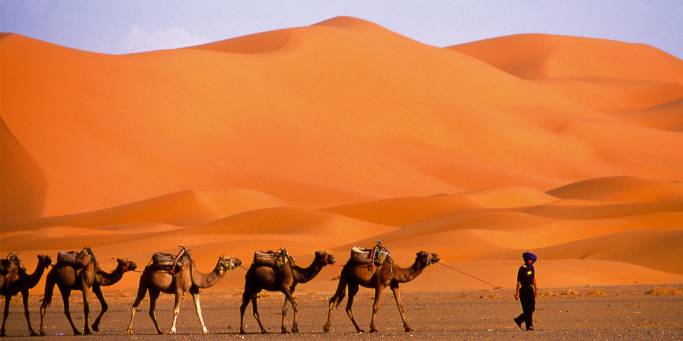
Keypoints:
(493, 286)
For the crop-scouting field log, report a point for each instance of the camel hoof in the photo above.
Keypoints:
(408, 329)
(205, 332)
(263, 331)
(95, 328)
(42, 333)
(87, 332)
(159, 332)
(284, 331)
(32, 333)
(77, 333)
(295, 330)
(129, 331)
(373, 330)
(2, 334)
(326, 328)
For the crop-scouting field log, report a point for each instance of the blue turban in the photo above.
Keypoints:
(528, 255)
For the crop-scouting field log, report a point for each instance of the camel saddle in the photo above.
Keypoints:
(276, 259)
(71, 257)
(374, 256)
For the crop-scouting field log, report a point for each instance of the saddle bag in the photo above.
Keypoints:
(67, 258)
(360, 255)
(275, 259)
(163, 259)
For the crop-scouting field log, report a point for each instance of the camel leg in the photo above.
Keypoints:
(198, 309)
(86, 309)
(24, 298)
(98, 292)
(254, 306)
(246, 298)
(5, 314)
(65, 298)
(375, 308)
(284, 313)
(401, 309)
(295, 307)
(142, 290)
(176, 311)
(334, 301)
(153, 295)
(353, 290)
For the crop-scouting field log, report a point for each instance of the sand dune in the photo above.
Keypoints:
(182, 208)
(619, 188)
(403, 211)
(661, 250)
(343, 133)
(226, 120)
(541, 56)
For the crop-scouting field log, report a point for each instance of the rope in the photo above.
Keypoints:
(470, 275)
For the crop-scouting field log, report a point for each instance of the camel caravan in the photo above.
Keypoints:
(177, 274)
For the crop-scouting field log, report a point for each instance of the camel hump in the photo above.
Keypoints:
(76, 258)
(275, 259)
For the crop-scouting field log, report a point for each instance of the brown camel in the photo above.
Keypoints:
(264, 277)
(178, 280)
(85, 276)
(388, 274)
(17, 280)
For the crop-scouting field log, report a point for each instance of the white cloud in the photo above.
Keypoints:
(138, 39)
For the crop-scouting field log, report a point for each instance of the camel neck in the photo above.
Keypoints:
(109, 278)
(303, 275)
(33, 278)
(403, 275)
(203, 280)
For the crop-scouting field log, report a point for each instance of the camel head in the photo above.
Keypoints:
(424, 258)
(226, 263)
(126, 265)
(324, 258)
(44, 260)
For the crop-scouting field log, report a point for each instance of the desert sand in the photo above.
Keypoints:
(343, 133)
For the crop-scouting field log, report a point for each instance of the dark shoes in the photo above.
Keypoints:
(518, 323)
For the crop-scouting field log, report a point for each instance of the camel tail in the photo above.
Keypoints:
(49, 288)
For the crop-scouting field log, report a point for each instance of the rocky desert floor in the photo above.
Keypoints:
(625, 312)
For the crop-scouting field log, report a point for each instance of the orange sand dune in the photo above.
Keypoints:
(182, 208)
(343, 133)
(661, 250)
(329, 227)
(543, 56)
(600, 74)
(619, 188)
(403, 211)
(298, 124)
(509, 196)
(667, 116)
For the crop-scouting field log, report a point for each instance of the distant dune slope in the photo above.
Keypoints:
(600, 74)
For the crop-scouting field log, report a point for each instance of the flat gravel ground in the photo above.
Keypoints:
(570, 313)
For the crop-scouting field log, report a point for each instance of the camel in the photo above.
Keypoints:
(16, 280)
(263, 277)
(182, 277)
(388, 274)
(85, 276)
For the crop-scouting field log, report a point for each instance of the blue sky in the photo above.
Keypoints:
(122, 26)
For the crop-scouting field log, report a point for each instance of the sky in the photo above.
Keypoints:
(125, 26)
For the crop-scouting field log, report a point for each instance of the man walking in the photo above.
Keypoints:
(526, 290)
